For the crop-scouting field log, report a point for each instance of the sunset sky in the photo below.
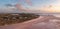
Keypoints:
(51, 6)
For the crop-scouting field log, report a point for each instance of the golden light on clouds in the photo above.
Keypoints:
(51, 9)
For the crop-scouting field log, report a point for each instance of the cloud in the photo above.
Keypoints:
(7, 10)
(51, 9)
(8, 5)
(29, 2)
(18, 8)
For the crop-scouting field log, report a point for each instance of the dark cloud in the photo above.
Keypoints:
(8, 5)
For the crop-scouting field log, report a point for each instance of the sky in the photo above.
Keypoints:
(51, 6)
(34, 2)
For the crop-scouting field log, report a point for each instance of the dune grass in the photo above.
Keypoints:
(7, 19)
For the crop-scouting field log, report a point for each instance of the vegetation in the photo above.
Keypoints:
(6, 19)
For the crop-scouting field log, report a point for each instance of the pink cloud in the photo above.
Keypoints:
(29, 2)
(21, 7)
